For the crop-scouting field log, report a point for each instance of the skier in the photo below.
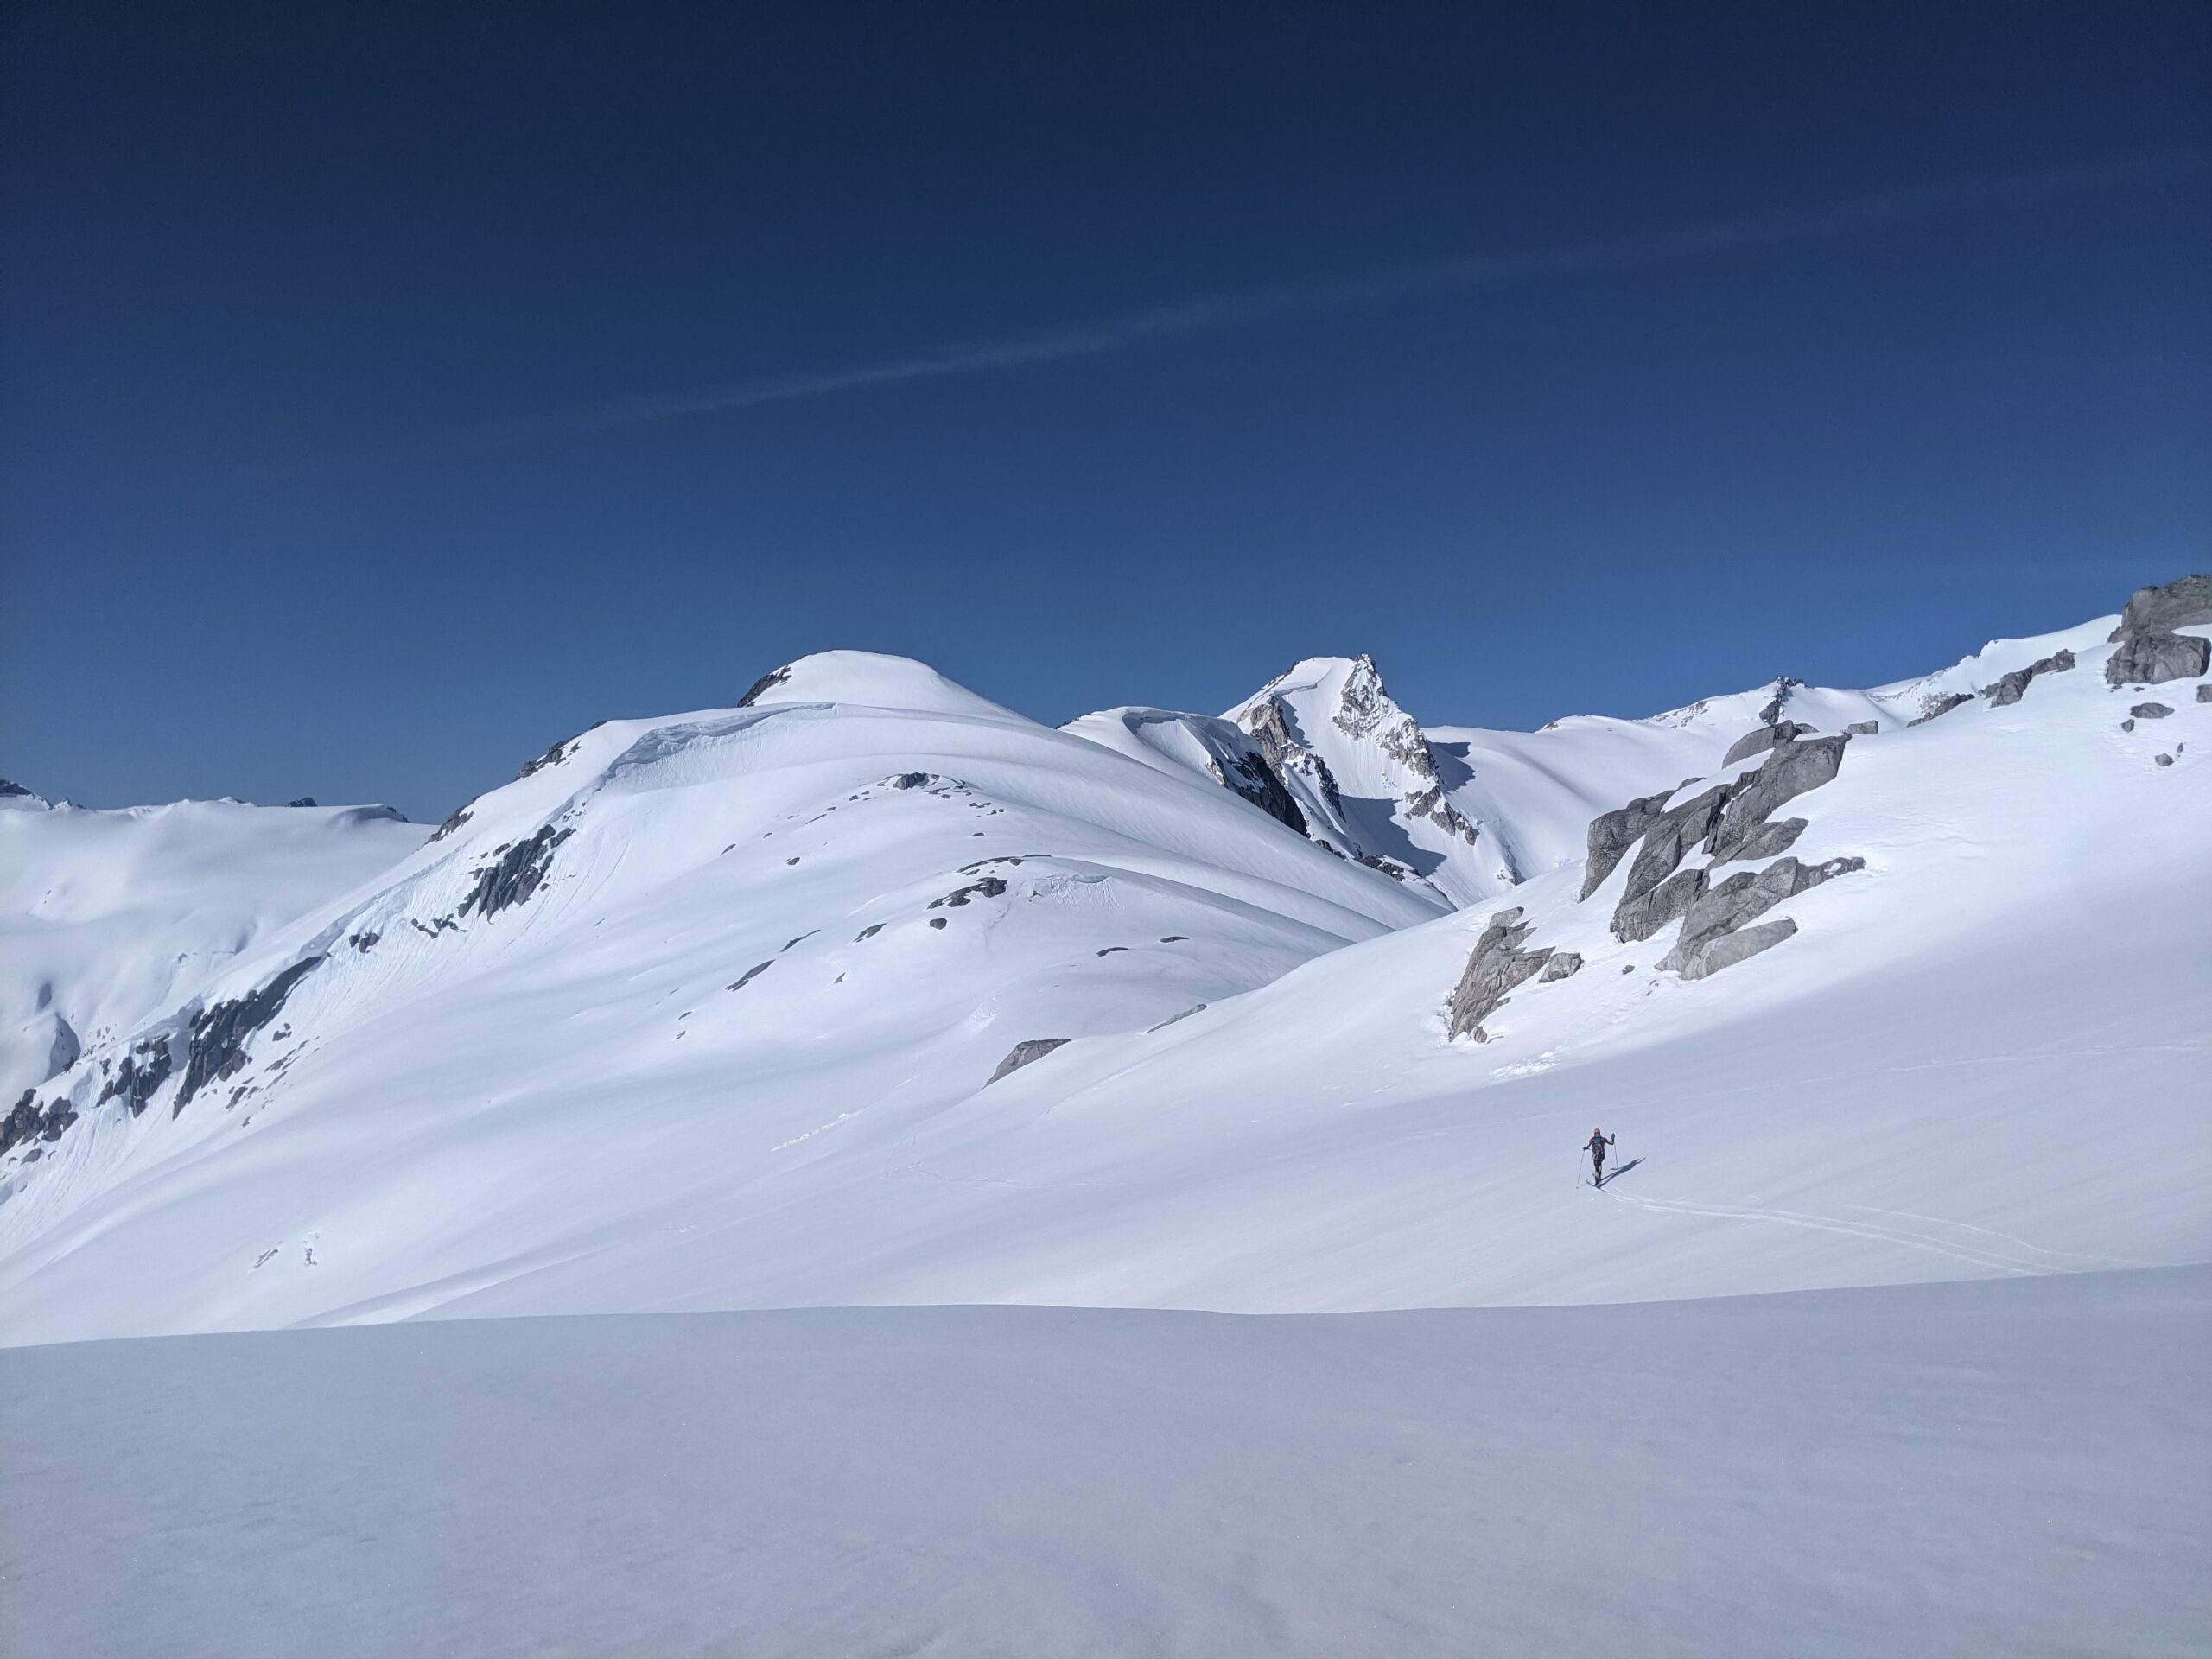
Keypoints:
(1595, 1146)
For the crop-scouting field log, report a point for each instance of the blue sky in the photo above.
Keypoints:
(387, 394)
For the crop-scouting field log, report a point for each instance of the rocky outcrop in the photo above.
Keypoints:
(1768, 841)
(1610, 836)
(2204, 694)
(1726, 906)
(1936, 703)
(1730, 949)
(2149, 652)
(1666, 841)
(514, 875)
(28, 1120)
(218, 1045)
(2150, 711)
(1251, 777)
(990, 886)
(1790, 772)
(2152, 658)
(1862, 729)
(1783, 685)
(459, 815)
(1639, 918)
(144, 1069)
(773, 677)
(1269, 727)
(2011, 687)
(1563, 964)
(1759, 741)
(1497, 965)
(1022, 1053)
(2183, 604)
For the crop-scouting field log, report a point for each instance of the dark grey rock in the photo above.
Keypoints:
(2183, 604)
(1639, 918)
(1783, 685)
(2204, 694)
(1251, 777)
(7, 788)
(1563, 964)
(514, 875)
(304, 800)
(990, 886)
(1611, 833)
(1195, 1008)
(459, 815)
(937, 921)
(749, 976)
(1933, 705)
(773, 677)
(1759, 741)
(1769, 841)
(2011, 687)
(2127, 725)
(1862, 729)
(218, 1041)
(2151, 658)
(2150, 711)
(1670, 837)
(2164, 760)
(1494, 968)
(1034, 1048)
(867, 932)
(913, 780)
(1790, 772)
(1727, 905)
(1728, 948)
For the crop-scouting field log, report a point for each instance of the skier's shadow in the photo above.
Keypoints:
(1615, 1174)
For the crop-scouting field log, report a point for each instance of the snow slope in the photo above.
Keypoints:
(107, 918)
(1995, 1468)
(707, 1013)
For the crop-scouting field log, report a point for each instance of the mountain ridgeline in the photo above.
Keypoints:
(731, 1009)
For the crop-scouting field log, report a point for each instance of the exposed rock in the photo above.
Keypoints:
(1251, 777)
(2204, 694)
(2149, 711)
(2163, 760)
(2183, 604)
(749, 976)
(774, 677)
(937, 921)
(2010, 688)
(2150, 657)
(1640, 917)
(1195, 1008)
(1769, 841)
(1495, 966)
(867, 932)
(1933, 705)
(1033, 1048)
(913, 780)
(1790, 772)
(1610, 836)
(1862, 729)
(29, 1121)
(988, 887)
(514, 875)
(144, 1069)
(459, 815)
(218, 1047)
(304, 800)
(1726, 906)
(1784, 686)
(8, 788)
(1728, 948)
(1670, 836)
(1563, 964)
(1265, 721)
(1758, 741)
(364, 941)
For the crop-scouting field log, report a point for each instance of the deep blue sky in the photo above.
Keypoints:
(333, 338)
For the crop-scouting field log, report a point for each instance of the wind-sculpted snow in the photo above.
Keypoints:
(736, 1045)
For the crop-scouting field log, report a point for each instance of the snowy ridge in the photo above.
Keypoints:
(870, 990)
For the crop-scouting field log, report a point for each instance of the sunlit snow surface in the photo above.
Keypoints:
(736, 1051)
(2011, 1468)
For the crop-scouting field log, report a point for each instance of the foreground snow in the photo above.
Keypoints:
(2015, 1468)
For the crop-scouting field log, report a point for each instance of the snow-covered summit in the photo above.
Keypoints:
(730, 1008)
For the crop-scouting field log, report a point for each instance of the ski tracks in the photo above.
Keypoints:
(2022, 1260)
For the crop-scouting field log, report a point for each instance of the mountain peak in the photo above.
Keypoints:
(869, 679)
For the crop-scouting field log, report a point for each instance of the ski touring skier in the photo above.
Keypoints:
(1595, 1146)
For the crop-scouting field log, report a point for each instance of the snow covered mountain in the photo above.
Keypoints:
(108, 918)
(868, 989)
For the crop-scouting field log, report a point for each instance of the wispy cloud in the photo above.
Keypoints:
(1244, 308)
